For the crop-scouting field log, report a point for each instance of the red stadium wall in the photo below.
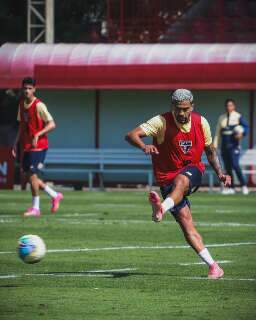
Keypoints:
(194, 76)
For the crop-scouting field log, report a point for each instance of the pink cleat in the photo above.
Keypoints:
(155, 201)
(32, 212)
(56, 202)
(215, 271)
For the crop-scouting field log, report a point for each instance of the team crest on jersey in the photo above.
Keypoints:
(185, 145)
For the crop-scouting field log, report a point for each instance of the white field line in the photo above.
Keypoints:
(61, 275)
(73, 220)
(217, 245)
(199, 263)
(148, 247)
(9, 215)
(222, 279)
(224, 224)
(72, 215)
(102, 275)
(121, 221)
(8, 221)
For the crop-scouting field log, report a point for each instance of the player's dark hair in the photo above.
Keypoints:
(29, 80)
(229, 100)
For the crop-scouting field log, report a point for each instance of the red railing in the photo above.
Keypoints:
(152, 21)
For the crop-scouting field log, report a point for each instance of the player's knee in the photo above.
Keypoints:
(181, 182)
(33, 178)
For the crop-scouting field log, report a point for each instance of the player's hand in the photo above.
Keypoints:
(34, 141)
(239, 136)
(14, 151)
(225, 179)
(150, 149)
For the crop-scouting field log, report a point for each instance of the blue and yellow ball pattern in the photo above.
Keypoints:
(31, 248)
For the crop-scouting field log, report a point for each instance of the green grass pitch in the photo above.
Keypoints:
(149, 274)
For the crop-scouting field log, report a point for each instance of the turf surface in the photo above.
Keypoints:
(146, 282)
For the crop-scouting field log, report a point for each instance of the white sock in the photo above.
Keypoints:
(206, 257)
(167, 204)
(36, 202)
(50, 191)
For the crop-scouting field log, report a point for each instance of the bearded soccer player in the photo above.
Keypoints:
(34, 123)
(179, 139)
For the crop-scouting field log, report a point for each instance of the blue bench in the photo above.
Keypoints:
(79, 165)
(248, 162)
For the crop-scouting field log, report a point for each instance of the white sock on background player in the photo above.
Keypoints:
(50, 191)
(36, 202)
(206, 257)
(167, 204)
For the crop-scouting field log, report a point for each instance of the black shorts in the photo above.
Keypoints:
(33, 161)
(195, 178)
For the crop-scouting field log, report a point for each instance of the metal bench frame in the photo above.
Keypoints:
(115, 161)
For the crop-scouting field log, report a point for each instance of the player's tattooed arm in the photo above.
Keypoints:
(214, 161)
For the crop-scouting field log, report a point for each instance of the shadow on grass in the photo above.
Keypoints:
(9, 286)
(104, 274)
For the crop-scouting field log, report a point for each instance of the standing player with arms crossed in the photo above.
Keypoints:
(35, 122)
(179, 139)
(230, 142)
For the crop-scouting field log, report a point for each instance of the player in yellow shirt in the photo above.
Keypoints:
(231, 129)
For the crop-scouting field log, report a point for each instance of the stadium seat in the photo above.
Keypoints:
(80, 165)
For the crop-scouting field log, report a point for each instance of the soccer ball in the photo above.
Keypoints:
(238, 130)
(31, 248)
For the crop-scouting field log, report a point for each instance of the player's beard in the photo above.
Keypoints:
(182, 119)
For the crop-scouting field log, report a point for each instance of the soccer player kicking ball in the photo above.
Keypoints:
(179, 139)
(35, 122)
